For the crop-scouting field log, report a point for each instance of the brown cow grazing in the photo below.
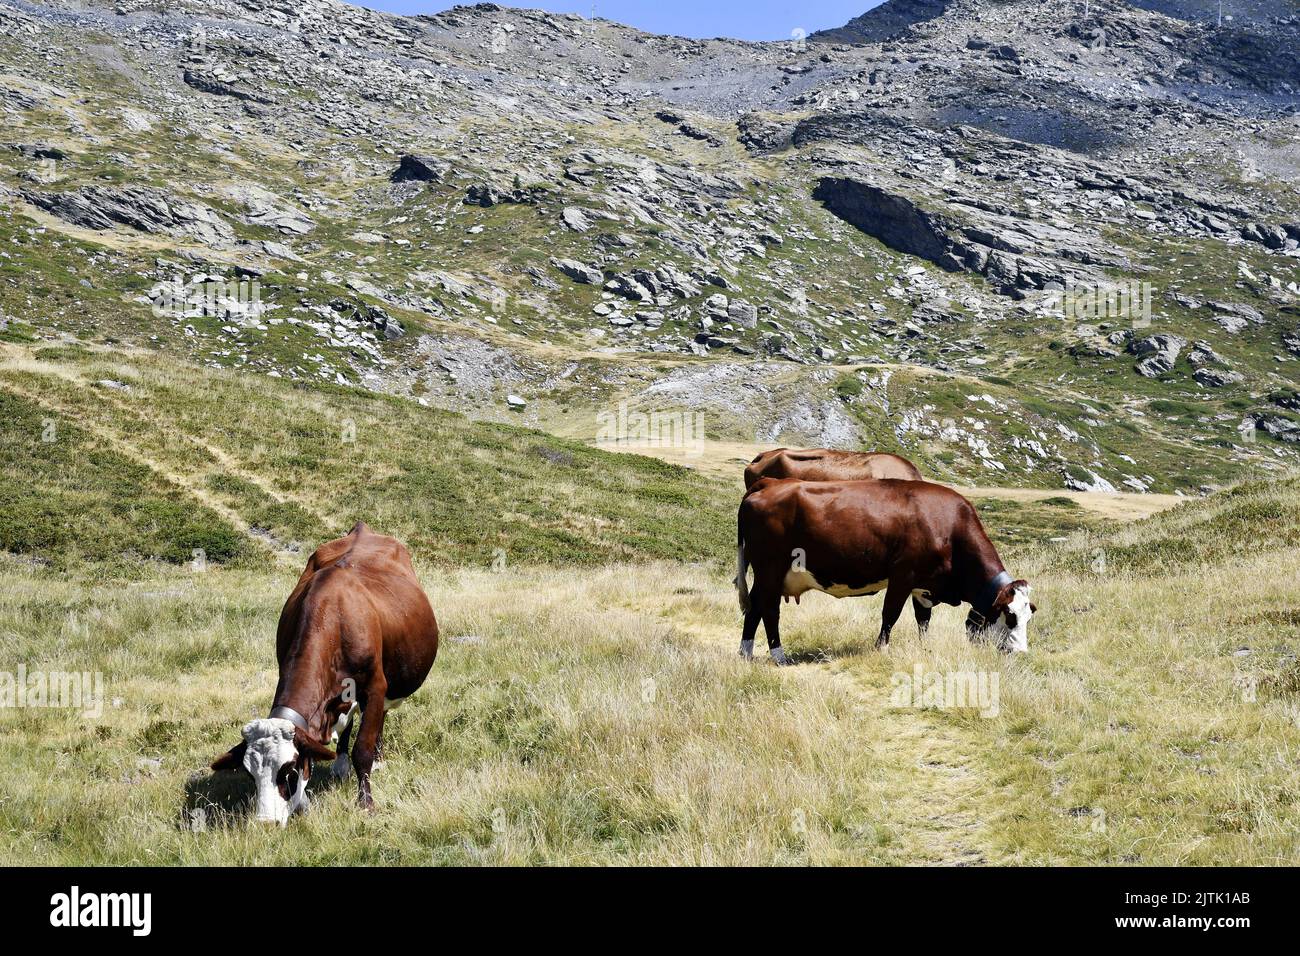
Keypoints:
(827, 464)
(357, 633)
(847, 538)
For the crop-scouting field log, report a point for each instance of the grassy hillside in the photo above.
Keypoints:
(139, 457)
(136, 456)
(587, 705)
(1261, 518)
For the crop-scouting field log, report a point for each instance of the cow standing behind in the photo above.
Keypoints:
(357, 633)
(848, 538)
(827, 464)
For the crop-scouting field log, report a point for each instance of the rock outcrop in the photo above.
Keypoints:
(140, 207)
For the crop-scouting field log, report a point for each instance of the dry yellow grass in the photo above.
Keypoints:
(726, 460)
(1116, 505)
(602, 716)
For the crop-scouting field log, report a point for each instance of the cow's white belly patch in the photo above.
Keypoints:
(392, 704)
(797, 582)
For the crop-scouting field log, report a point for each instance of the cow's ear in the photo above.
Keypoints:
(1033, 608)
(310, 747)
(232, 759)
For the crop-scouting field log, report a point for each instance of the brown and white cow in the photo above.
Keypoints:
(827, 464)
(848, 538)
(357, 634)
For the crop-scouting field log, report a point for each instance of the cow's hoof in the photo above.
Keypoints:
(779, 658)
(747, 650)
(341, 767)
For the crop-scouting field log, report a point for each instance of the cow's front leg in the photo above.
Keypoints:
(895, 598)
(922, 615)
(341, 766)
(367, 746)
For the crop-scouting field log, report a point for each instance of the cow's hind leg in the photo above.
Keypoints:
(752, 617)
(895, 598)
(922, 616)
(772, 625)
(367, 745)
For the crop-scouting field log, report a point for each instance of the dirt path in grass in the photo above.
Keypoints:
(138, 411)
(943, 784)
(113, 441)
(280, 551)
(940, 789)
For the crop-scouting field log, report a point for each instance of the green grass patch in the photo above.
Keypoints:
(66, 499)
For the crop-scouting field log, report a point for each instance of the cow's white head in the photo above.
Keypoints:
(278, 756)
(1007, 623)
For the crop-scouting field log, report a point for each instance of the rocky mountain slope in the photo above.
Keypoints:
(1034, 243)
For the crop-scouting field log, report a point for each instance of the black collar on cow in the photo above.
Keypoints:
(983, 602)
(291, 715)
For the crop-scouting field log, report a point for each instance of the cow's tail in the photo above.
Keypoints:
(742, 569)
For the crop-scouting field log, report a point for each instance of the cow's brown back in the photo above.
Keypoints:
(828, 464)
(363, 586)
(867, 526)
(860, 533)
